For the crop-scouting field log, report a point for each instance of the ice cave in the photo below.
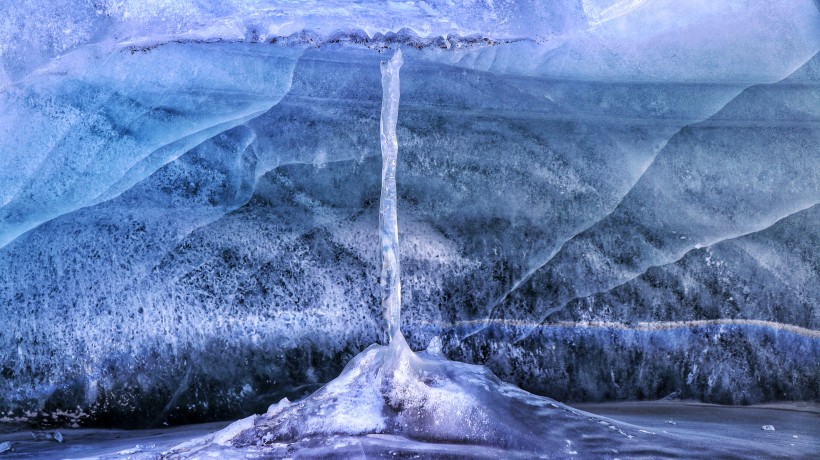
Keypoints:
(444, 229)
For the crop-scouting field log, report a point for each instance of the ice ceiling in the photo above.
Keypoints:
(598, 199)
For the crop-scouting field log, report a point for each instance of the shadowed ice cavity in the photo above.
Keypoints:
(161, 282)
(100, 120)
(748, 166)
(391, 390)
(510, 151)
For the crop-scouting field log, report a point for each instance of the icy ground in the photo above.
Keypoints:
(393, 403)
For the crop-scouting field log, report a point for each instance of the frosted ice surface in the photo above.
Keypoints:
(747, 189)
(105, 121)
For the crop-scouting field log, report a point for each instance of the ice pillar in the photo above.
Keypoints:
(389, 281)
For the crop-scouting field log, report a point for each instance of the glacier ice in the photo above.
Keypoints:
(94, 128)
(599, 199)
(729, 181)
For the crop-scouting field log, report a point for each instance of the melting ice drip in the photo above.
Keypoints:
(390, 400)
(390, 281)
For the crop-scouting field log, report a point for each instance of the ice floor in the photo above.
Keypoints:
(795, 436)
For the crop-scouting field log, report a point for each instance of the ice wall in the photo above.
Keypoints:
(599, 199)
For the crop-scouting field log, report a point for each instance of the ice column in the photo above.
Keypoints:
(389, 282)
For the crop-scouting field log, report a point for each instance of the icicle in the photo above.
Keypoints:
(389, 282)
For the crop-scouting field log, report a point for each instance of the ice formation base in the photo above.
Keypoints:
(390, 401)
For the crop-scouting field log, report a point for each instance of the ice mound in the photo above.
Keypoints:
(390, 400)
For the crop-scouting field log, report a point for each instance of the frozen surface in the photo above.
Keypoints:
(598, 199)
(390, 401)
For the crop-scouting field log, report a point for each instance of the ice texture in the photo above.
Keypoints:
(390, 279)
(599, 199)
(727, 181)
(94, 127)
